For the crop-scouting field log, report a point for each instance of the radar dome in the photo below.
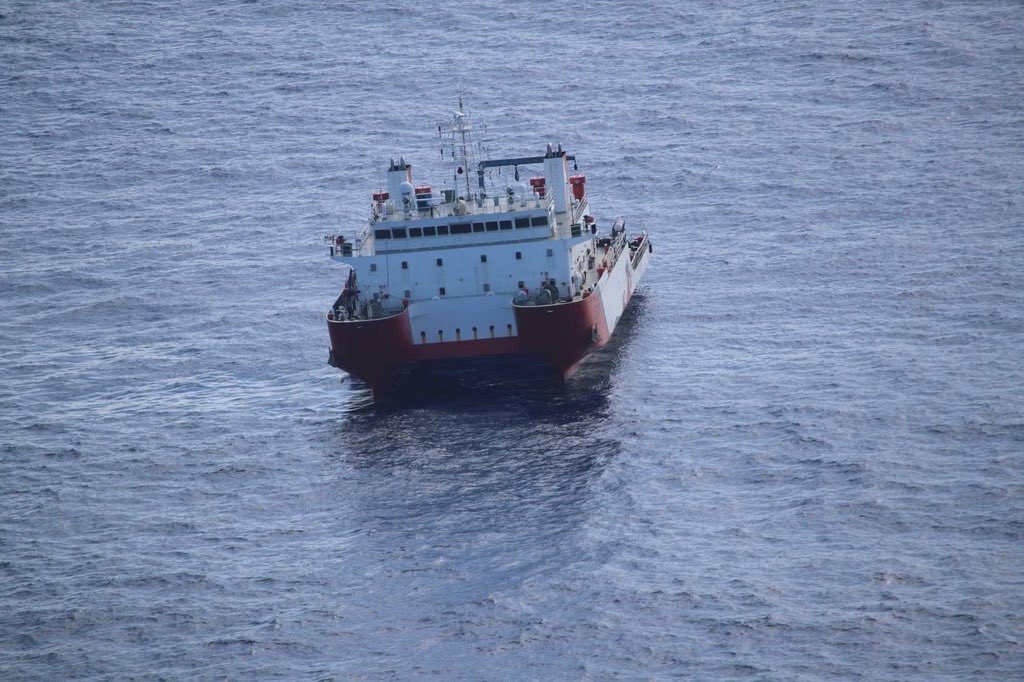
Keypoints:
(407, 191)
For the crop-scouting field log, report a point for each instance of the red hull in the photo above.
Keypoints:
(561, 334)
(564, 333)
(371, 349)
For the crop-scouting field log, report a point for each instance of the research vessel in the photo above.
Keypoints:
(460, 272)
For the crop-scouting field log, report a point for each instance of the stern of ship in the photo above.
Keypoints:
(563, 333)
(371, 349)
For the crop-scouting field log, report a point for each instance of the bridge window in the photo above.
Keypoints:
(492, 226)
(398, 233)
(430, 231)
(506, 224)
(539, 221)
(461, 228)
(415, 231)
(442, 230)
(522, 222)
(382, 234)
(478, 227)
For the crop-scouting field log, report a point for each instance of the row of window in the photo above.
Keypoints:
(459, 228)
(440, 261)
(441, 291)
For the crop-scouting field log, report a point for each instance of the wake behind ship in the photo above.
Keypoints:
(460, 273)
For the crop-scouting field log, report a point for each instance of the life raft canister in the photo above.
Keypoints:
(537, 183)
(579, 189)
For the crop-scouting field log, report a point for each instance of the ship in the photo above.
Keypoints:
(484, 266)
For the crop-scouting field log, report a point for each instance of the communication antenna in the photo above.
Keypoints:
(460, 149)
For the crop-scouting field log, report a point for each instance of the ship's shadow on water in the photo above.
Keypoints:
(519, 410)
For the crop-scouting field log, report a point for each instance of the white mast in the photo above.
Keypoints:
(461, 150)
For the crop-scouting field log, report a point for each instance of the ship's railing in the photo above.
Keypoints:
(546, 294)
(362, 246)
(574, 226)
(352, 307)
(471, 207)
(615, 243)
(578, 209)
(364, 242)
(638, 247)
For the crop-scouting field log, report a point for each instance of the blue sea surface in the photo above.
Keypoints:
(802, 456)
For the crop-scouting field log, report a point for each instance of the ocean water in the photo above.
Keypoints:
(801, 458)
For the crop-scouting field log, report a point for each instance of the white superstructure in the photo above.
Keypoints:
(459, 258)
(461, 273)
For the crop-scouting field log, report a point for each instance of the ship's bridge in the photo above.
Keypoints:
(407, 217)
(492, 220)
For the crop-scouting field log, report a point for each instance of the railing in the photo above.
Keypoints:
(638, 247)
(488, 205)
(353, 307)
(546, 294)
(579, 208)
(364, 242)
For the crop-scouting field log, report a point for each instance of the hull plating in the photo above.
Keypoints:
(562, 334)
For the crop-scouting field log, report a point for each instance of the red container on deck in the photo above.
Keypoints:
(538, 185)
(423, 189)
(578, 183)
(380, 196)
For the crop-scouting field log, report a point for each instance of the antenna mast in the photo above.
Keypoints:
(461, 149)
(463, 129)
